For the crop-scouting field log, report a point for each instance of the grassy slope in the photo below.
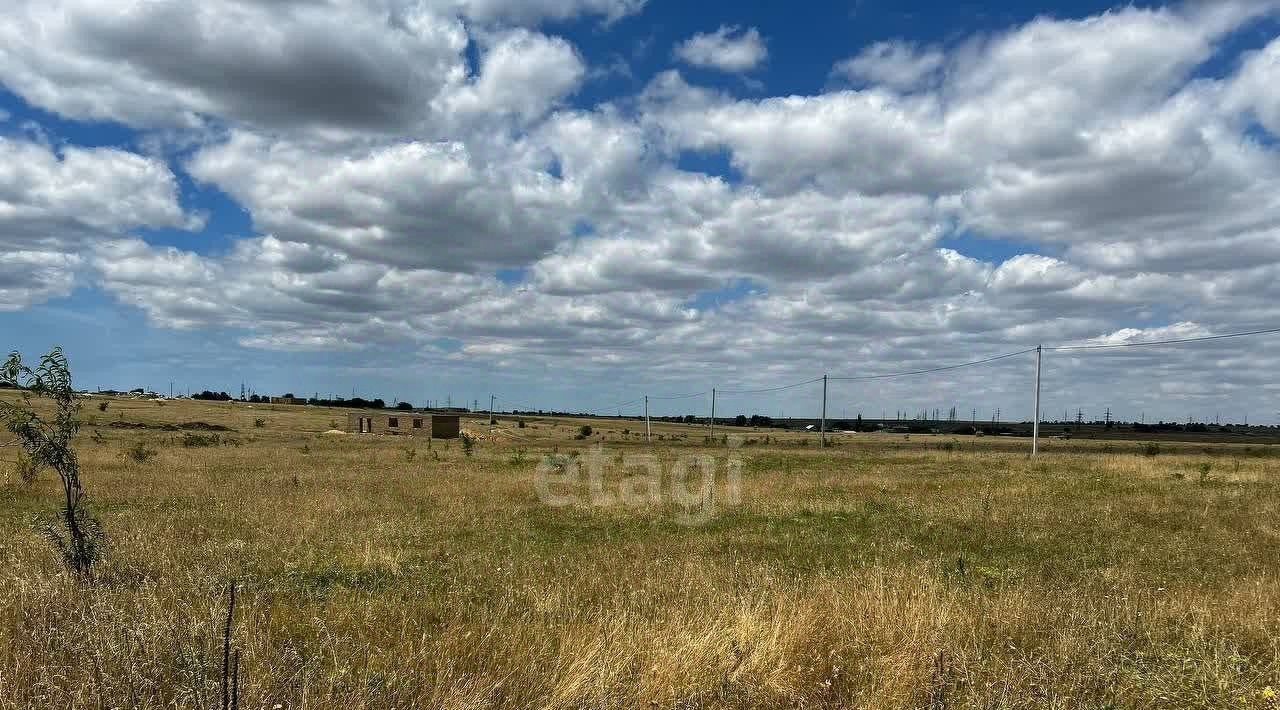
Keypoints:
(884, 573)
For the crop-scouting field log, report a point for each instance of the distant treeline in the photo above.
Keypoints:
(1194, 427)
(354, 402)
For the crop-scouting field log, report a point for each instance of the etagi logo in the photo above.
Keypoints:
(690, 483)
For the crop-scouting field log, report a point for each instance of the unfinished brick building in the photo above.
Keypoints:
(437, 426)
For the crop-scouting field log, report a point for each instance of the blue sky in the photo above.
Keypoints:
(570, 203)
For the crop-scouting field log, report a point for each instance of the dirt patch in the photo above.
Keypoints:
(203, 426)
(185, 426)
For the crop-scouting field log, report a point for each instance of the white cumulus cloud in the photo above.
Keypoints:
(730, 49)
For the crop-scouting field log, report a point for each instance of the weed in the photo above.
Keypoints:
(410, 454)
(259, 423)
(1205, 470)
(192, 440)
(1151, 448)
(468, 443)
(102, 406)
(139, 452)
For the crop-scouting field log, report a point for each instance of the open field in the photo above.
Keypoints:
(885, 572)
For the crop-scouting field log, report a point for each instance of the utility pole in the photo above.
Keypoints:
(1035, 426)
(491, 410)
(823, 425)
(648, 433)
(711, 425)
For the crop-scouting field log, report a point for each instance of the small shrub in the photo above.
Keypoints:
(259, 423)
(102, 406)
(518, 458)
(1205, 469)
(1151, 448)
(192, 440)
(410, 454)
(468, 443)
(139, 452)
(519, 423)
(583, 432)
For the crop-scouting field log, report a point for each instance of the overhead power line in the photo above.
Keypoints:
(670, 397)
(934, 369)
(514, 406)
(771, 389)
(619, 405)
(944, 368)
(1175, 341)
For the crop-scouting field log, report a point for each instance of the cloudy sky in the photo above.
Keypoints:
(572, 203)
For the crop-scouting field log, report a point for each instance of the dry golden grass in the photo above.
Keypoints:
(881, 573)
